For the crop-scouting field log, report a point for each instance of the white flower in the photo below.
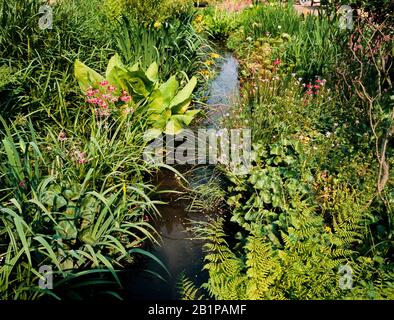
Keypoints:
(328, 134)
(279, 27)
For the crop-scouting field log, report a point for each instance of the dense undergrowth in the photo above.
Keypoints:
(77, 100)
(315, 210)
(75, 192)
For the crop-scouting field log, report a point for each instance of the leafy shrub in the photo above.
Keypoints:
(165, 107)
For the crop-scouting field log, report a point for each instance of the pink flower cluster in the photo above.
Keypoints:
(79, 157)
(105, 97)
(314, 88)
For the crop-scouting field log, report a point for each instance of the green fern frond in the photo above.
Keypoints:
(188, 290)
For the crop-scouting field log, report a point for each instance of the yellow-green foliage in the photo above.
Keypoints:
(156, 10)
(304, 266)
(114, 8)
(188, 290)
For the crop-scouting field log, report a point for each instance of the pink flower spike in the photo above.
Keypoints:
(104, 83)
(111, 88)
(125, 98)
(277, 62)
(90, 93)
(124, 93)
(97, 101)
(309, 92)
(107, 96)
(316, 87)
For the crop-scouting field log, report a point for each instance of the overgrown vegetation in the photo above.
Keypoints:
(318, 199)
(75, 190)
(80, 101)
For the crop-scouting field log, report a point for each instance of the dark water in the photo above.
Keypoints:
(178, 251)
(224, 91)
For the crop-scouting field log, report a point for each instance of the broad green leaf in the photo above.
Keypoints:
(182, 107)
(169, 89)
(186, 118)
(159, 121)
(174, 126)
(115, 61)
(139, 82)
(66, 229)
(134, 67)
(118, 78)
(85, 76)
(152, 72)
(156, 103)
(53, 200)
(185, 93)
(192, 113)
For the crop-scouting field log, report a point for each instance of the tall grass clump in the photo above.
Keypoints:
(72, 200)
(41, 60)
(174, 45)
(312, 45)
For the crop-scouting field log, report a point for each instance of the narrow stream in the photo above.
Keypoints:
(178, 251)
